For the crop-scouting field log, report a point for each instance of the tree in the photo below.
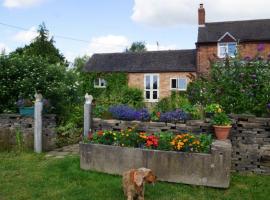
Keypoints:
(43, 46)
(137, 47)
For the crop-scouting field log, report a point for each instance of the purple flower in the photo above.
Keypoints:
(247, 58)
(173, 116)
(123, 112)
(260, 48)
(268, 106)
(20, 103)
(253, 76)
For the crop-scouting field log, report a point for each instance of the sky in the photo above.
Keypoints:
(102, 26)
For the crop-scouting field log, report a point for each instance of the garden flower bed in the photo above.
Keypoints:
(173, 158)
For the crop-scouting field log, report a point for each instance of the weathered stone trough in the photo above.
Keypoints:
(211, 169)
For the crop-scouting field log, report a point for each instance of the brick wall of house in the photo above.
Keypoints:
(137, 80)
(205, 54)
(208, 52)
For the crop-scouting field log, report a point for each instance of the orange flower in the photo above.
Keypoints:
(100, 133)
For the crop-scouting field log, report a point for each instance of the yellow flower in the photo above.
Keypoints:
(185, 140)
(180, 143)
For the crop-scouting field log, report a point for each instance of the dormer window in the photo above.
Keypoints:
(227, 46)
(226, 49)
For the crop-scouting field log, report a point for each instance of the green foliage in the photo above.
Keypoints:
(19, 140)
(205, 142)
(116, 91)
(178, 100)
(104, 137)
(22, 75)
(238, 86)
(164, 141)
(137, 47)
(213, 108)
(221, 119)
(67, 134)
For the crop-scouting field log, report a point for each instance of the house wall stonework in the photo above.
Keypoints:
(207, 53)
(137, 80)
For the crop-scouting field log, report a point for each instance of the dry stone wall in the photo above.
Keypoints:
(10, 124)
(250, 137)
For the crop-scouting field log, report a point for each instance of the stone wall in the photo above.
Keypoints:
(250, 137)
(12, 123)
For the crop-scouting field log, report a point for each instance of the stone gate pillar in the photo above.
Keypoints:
(38, 124)
(87, 114)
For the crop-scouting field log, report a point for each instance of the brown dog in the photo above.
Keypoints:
(133, 182)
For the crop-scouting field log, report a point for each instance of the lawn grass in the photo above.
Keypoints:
(28, 176)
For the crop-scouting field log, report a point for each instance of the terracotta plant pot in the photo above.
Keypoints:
(222, 132)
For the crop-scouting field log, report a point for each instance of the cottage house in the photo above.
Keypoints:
(158, 73)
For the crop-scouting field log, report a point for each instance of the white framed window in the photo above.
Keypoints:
(179, 84)
(226, 49)
(100, 83)
(151, 87)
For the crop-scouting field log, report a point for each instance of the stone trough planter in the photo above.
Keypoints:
(211, 169)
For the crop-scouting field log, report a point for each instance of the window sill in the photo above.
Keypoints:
(150, 101)
(99, 86)
(178, 90)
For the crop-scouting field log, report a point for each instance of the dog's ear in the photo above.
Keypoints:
(138, 177)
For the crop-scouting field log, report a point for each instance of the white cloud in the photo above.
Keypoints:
(26, 36)
(177, 12)
(107, 44)
(21, 3)
(118, 43)
(4, 47)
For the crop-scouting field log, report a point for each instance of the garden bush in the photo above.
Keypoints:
(130, 137)
(238, 85)
(178, 100)
(22, 75)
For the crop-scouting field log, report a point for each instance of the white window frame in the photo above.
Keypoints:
(151, 88)
(99, 83)
(177, 87)
(227, 47)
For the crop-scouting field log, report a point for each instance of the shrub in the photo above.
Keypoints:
(22, 75)
(67, 134)
(239, 86)
(179, 101)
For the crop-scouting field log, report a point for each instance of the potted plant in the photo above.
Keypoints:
(26, 107)
(211, 109)
(222, 125)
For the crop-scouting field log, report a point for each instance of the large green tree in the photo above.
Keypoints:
(43, 46)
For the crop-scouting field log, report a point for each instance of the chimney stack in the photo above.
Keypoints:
(201, 16)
